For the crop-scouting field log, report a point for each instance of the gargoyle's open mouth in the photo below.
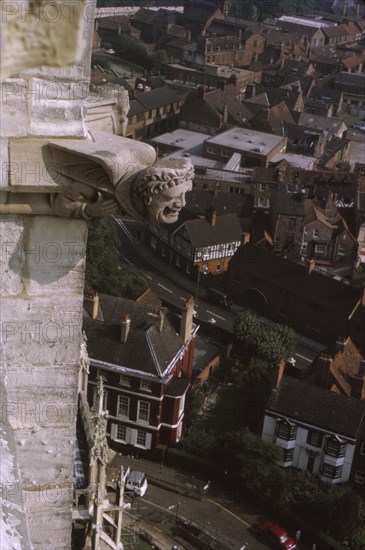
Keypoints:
(170, 212)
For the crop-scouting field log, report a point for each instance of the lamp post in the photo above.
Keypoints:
(204, 271)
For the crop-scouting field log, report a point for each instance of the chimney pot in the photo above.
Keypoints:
(91, 303)
(310, 265)
(124, 329)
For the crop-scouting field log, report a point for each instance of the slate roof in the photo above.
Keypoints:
(147, 349)
(158, 97)
(199, 200)
(226, 229)
(143, 15)
(316, 406)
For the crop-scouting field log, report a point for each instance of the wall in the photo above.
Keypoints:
(45, 66)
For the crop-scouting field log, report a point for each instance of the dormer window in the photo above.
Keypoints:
(315, 232)
(145, 384)
(125, 380)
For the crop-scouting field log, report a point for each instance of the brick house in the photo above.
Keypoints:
(146, 361)
(197, 245)
(326, 236)
(154, 112)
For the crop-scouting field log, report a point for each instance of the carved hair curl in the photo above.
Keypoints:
(161, 176)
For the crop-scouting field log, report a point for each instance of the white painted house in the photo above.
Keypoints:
(318, 430)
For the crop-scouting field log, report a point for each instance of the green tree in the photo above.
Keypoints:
(276, 343)
(103, 272)
(130, 49)
(259, 465)
(156, 59)
(256, 372)
(200, 441)
(252, 13)
(247, 331)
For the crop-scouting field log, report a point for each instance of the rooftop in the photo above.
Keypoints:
(243, 139)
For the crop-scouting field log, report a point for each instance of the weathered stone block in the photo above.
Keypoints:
(30, 167)
(35, 34)
(41, 329)
(14, 110)
(11, 255)
(57, 119)
(49, 517)
(55, 255)
(4, 163)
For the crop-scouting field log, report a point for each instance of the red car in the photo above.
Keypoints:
(275, 534)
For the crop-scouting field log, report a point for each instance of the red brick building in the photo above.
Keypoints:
(146, 361)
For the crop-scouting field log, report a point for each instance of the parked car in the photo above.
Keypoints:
(218, 297)
(136, 483)
(360, 126)
(275, 535)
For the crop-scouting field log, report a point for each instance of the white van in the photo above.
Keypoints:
(136, 483)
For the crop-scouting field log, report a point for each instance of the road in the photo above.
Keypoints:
(222, 513)
(172, 293)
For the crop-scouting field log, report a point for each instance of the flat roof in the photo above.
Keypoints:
(301, 161)
(242, 139)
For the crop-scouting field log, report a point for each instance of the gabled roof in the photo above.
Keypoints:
(143, 15)
(147, 350)
(318, 407)
(226, 229)
(159, 97)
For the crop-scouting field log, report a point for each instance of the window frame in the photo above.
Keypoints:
(144, 434)
(141, 404)
(331, 471)
(128, 402)
(125, 380)
(145, 385)
(335, 448)
(121, 427)
(286, 431)
(311, 438)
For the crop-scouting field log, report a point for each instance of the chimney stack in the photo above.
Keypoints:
(245, 238)
(277, 374)
(156, 319)
(310, 265)
(186, 323)
(211, 216)
(124, 329)
(341, 343)
(362, 368)
(91, 303)
(323, 369)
